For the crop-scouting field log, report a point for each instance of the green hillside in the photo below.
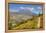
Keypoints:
(28, 24)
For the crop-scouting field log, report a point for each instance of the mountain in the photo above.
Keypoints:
(26, 12)
(23, 12)
(22, 15)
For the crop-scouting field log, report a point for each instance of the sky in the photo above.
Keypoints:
(33, 8)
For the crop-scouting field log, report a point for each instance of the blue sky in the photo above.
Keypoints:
(33, 8)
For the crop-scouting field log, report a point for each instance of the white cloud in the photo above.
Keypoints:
(31, 9)
(22, 8)
(13, 10)
(28, 8)
(39, 8)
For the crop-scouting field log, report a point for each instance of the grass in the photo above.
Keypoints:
(28, 24)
